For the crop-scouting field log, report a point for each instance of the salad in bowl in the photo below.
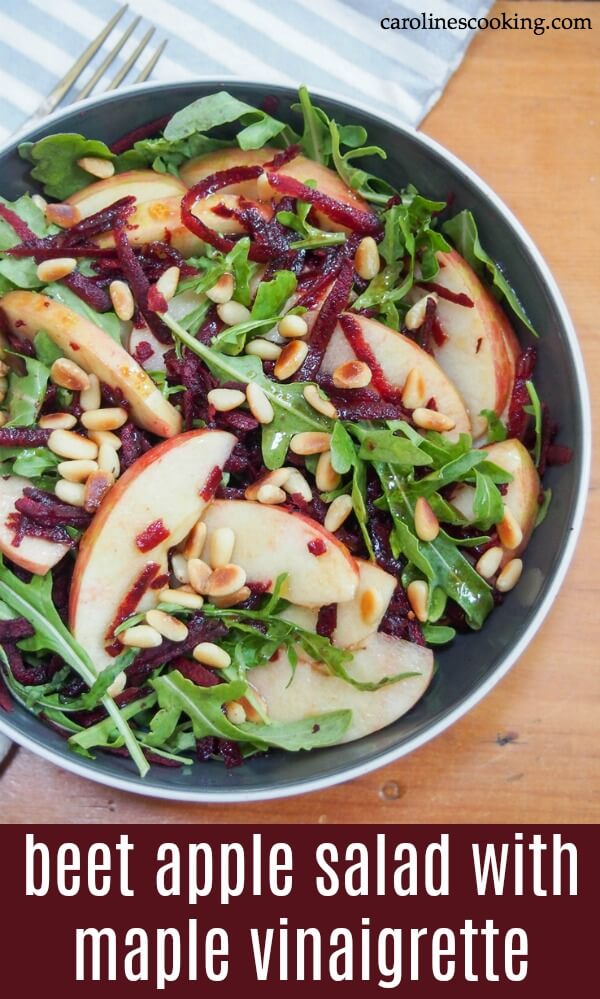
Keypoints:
(267, 437)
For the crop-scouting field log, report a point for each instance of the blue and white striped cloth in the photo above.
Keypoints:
(335, 45)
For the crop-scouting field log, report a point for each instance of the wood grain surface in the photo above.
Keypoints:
(523, 111)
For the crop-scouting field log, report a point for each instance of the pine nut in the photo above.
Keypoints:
(225, 580)
(118, 685)
(3, 419)
(69, 375)
(270, 495)
(142, 636)
(97, 166)
(224, 399)
(76, 471)
(222, 290)
(292, 326)
(265, 349)
(4, 369)
(510, 575)
(57, 421)
(326, 477)
(371, 605)
(509, 530)
(239, 597)
(232, 313)
(318, 403)
(339, 511)
(91, 397)
(278, 477)
(66, 444)
(167, 283)
(259, 405)
(415, 317)
(296, 483)
(429, 419)
(290, 360)
(39, 202)
(427, 525)
(72, 493)
(235, 713)
(220, 547)
(167, 625)
(489, 563)
(101, 437)
(352, 375)
(108, 460)
(210, 654)
(182, 598)
(366, 259)
(54, 270)
(198, 573)
(180, 568)
(110, 418)
(63, 215)
(122, 300)
(418, 598)
(195, 541)
(310, 442)
(96, 487)
(414, 393)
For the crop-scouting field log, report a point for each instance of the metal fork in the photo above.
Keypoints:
(63, 87)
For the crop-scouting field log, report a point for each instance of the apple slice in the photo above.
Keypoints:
(151, 508)
(28, 312)
(360, 617)
(396, 355)
(314, 690)
(270, 541)
(143, 185)
(34, 554)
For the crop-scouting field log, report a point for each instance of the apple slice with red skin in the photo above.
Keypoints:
(311, 689)
(271, 541)
(143, 185)
(168, 486)
(34, 554)
(28, 312)
(396, 355)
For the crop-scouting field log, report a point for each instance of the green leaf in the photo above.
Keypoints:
(544, 507)
(267, 310)
(55, 162)
(343, 452)
(315, 140)
(306, 733)
(438, 634)
(21, 272)
(26, 393)
(384, 445)
(535, 410)
(107, 321)
(488, 506)
(46, 350)
(219, 109)
(165, 155)
(496, 430)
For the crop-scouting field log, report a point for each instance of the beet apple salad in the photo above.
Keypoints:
(267, 436)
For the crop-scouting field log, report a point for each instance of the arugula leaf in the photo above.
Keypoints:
(214, 264)
(315, 140)
(462, 230)
(30, 462)
(384, 445)
(26, 393)
(55, 161)
(107, 321)
(21, 272)
(46, 350)
(437, 634)
(165, 155)
(488, 506)
(110, 733)
(496, 430)
(343, 452)
(535, 410)
(222, 108)
(311, 236)
(266, 312)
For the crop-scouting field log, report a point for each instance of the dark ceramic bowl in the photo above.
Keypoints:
(474, 663)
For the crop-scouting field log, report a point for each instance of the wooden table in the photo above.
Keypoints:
(522, 111)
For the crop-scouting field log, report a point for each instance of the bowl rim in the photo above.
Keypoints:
(134, 784)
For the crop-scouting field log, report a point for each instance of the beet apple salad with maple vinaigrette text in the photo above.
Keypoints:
(267, 437)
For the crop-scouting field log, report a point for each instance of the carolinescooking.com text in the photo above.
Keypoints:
(425, 21)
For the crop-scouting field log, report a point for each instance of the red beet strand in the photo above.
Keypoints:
(356, 220)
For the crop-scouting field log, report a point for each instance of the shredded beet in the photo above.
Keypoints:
(140, 286)
(24, 527)
(230, 753)
(317, 547)
(29, 676)
(327, 620)
(210, 185)
(458, 298)
(518, 419)
(102, 221)
(21, 228)
(51, 252)
(324, 324)
(133, 444)
(155, 301)
(201, 675)
(15, 629)
(24, 437)
(354, 219)
(34, 506)
(399, 620)
(280, 159)
(89, 292)
(148, 131)
(210, 486)
(354, 336)
(151, 536)
(361, 404)
(206, 748)
(130, 601)
(200, 629)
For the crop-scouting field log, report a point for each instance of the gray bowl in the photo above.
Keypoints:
(475, 662)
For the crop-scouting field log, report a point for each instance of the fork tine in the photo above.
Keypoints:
(145, 73)
(106, 62)
(120, 76)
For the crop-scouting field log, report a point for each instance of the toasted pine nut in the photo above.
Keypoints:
(427, 525)
(69, 375)
(509, 530)
(259, 405)
(39, 202)
(233, 598)
(4, 369)
(66, 444)
(54, 270)
(91, 397)
(270, 495)
(57, 421)
(108, 460)
(194, 542)
(211, 655)
(278, 477)
(510, 575)
(122, 300)
(489, 563)
(3, 419)
(97, 166)
(232, 313)
(339, 510)
(142, 636)
(76, 471)
(63, 215)
(415, 317)
(198, 573)
(310, 442)
(296, 483)
(326, 477)
(167, 625)
(167, 282)
(366, 259)
(418, 598)
(182, 598)
(429, 419)
(220, 547)
(292, 326)
(222, 291)
(352, 375)
(290, 360)
(180, 568)
(224, 399)
(70, 492)
(414, 392)
(101, 437)
(96, 487)
(371, 605)
(235, 713)
(118, 685)
(225, 580)
(265, 349)
(318, 403)
(110, 418)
